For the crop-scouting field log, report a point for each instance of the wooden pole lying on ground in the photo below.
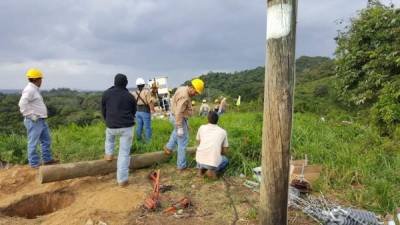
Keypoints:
(98, 167)
(278, 108)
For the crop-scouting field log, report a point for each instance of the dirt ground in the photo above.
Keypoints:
(98, 200)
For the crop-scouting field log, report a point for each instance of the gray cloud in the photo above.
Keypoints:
(82, 44)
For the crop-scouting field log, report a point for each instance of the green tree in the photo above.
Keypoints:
(368, 63)
(368, 54)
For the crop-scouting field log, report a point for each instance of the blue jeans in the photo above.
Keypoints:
(181, 141)
(221, 167)
(38, 131)
(125, 143)
(204, 113)
(143, 118)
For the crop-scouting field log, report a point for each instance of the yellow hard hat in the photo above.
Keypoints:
(193, 102)
(34, 73)
(204, 101)
(198, 85)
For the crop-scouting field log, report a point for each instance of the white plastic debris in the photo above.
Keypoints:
(257, 174)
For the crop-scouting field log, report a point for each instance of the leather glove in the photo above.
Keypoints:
(180, 132)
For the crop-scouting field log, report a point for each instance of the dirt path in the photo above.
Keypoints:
(95, 199)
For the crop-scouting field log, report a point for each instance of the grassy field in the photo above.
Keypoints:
(360, 167)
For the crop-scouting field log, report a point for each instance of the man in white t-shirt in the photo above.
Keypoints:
(213, 146)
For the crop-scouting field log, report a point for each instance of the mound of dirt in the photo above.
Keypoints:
(96, 200)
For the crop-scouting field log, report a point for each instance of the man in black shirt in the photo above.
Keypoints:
(118, 107)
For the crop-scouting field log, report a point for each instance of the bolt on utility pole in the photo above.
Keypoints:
(278, 110)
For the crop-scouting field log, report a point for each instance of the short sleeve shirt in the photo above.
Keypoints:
(212, 139)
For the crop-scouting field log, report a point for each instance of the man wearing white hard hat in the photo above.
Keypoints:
(145, 106)
(204, 108)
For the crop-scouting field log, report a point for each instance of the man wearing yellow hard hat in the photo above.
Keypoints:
(34, 110)
(180, 112)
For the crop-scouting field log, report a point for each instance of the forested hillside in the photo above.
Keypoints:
(250, 83)
(64, 107)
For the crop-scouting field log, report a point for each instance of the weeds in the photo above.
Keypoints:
(360, 167)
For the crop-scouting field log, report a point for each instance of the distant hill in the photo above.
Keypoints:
(250, 83)
(9, 91)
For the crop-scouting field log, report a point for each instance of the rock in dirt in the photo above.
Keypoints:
(89, 222)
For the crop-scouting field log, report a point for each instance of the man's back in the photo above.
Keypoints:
(212, 139)
(145, 96)
(118, 107)
(181, 102)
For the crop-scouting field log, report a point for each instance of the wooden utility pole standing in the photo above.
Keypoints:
(278, 109)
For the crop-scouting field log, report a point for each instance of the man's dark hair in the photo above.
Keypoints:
(120, 80)
(213, 117)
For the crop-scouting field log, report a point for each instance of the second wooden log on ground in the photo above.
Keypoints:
(98, 167)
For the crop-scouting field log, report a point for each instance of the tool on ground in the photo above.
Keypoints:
(398, 214)
(301, 183)
(389, 220)
(152, 202)
(181, 204)
(165, 188)
(328, 213)
(255, 186)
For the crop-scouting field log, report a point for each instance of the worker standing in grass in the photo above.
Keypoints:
(119, 109)
(181, 110)
(216, 105)
(222, 106)
(145, 106)
(204, 108)
(34, 110)
(213, 146)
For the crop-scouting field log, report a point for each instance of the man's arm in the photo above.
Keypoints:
(151, 105)
(225, 146)
(224, 150)
(103, 106)
(150, 102)
(198, 136)
(180, 109)
(23, 102)
(134, 105)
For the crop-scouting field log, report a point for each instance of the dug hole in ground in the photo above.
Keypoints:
(98, 200)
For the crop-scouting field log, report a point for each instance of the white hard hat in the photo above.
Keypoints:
(140, 81)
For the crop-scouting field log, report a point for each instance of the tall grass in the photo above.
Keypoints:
(360, 167)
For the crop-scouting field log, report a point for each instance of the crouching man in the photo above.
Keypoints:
(213, 146)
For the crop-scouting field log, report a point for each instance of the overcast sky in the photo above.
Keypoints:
(83, 44)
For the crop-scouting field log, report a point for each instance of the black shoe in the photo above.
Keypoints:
(52, 162)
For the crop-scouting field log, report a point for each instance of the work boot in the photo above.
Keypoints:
(182, 170)
(167, 151)
(35, 167)
(52, 162)
(202, 172)
(108, 158)
(211, 174)
(123, 184)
